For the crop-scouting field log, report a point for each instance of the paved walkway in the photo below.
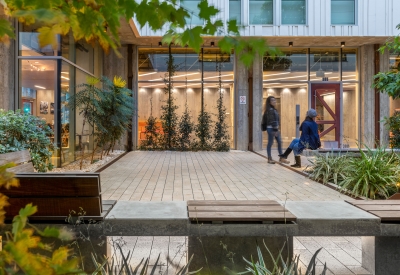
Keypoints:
(235, 175)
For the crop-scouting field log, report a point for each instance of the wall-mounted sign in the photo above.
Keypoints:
(242, 99)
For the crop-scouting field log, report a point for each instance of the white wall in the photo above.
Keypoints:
(373, 18)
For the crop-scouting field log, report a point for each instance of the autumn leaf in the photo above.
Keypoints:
(49, 36)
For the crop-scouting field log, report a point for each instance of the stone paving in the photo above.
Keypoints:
(234, 175)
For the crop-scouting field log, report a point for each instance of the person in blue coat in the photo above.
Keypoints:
(309, 139)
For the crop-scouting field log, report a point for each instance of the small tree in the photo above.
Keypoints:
(151, 132)
(221, 136)
(169, 118)
(186, 127)
(203, 131)
(89, 102)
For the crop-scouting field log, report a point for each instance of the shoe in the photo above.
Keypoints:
(283, 160)
(286, 154)
(297, 162)
(271, 161)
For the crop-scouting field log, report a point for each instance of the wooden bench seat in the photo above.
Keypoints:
(386, 210)
(262, 211)
(56, 195)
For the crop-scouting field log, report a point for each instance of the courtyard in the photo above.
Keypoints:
(234, 175)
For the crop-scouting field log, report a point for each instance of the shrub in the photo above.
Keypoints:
(20, 131)
(186, 127)
(327, 168)
(203, 131)
(393, 123)
(281, 267)
(374, 174)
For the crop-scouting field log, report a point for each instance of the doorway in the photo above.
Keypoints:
(326, 99)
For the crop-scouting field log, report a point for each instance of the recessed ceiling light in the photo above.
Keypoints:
(65, 77)
(40, 87)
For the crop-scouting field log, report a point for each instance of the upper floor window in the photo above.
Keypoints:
(343, 12)
(261, 12)
(293, 12)
(191, 6)
(235, 10)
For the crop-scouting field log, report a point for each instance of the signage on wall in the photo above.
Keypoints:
(242, 99)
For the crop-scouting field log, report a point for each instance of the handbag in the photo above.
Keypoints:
(263, 127)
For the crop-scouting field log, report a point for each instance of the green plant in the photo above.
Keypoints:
(372, 175)
(169, 118)
(20, 131)
(151, 132)
(117, 111)
(186, 127)
(326, 168)
(280, 266)
(393, 123)
(203, 131)
(221, 136)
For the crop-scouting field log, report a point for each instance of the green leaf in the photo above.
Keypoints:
(192, 37)
(206, 11)
(233, 27)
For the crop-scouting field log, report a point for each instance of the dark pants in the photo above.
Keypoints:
(271, 136)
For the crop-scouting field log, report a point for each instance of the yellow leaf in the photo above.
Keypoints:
(92, 80)
(119, 82)
(49, 36)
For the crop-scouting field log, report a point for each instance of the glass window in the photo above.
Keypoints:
(29, 42)
(187, 83)
(261, 12)
(235, 10)
(324, 64)
(343, 12)
(349, 64)
(292, 66)
(191, 6)
(294, 12)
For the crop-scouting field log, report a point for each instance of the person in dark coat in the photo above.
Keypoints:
(270, 123)
(309, 139)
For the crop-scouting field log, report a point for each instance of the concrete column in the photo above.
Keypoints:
(7, 70)
(135, 89)
(257, 102)
(367, 95)
(242, 110)
(213, 254)
(384, 102)
(381, 255)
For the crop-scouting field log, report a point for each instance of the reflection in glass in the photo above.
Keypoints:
(324, 64)
(292, 66)
(235, 11)
(293, 12)
(349, 65)
(191, 6)
(261, 12)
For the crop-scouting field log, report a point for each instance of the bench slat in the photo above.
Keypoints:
(375, 202)
(231, 203)
(16, 157)
(387, 215)
(242, 216)
(229, 208)
(380, 207)
(55, 206)
(55, 185)
(22, 168)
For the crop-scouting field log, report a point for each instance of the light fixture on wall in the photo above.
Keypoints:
(290, 44)
(160, 44)
(212, 44)
(342, 44)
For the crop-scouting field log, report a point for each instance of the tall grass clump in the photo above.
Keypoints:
(329, 168)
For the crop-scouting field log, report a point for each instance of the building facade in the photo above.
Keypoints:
(329, 56)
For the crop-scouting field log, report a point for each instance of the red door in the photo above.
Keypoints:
(325, 99)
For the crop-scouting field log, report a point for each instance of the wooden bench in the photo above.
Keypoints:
(262, 211)
(386, 210)
(22, 160)
(56, 195)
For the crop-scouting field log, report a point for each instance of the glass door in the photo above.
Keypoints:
(326, 100)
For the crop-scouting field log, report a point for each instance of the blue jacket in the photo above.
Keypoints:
(309, 138)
